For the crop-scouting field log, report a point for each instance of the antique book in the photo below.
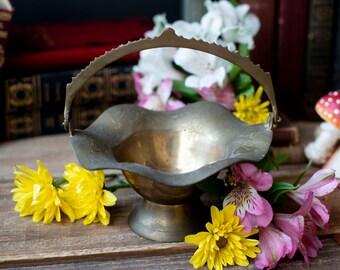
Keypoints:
(35, 104)
(292, 24)
(318, 55)
(285, 133)
(6, 13)
(335, 75)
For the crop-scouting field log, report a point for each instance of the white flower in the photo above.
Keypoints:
(233, 24)
(220, 15)
(206, 69)
(247, 27)
(155, 65)
(161, 23)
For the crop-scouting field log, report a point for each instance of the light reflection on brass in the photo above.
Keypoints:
(163, 155)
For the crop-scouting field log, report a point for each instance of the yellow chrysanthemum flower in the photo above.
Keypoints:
(224, 243)
(249, 109)
(85, 194)
(35, 195)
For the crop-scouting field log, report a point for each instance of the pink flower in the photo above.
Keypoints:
(292, 226)
(310, 243)
(225, 96)
(159, 100)
(251, 208)
(321, 184)
(274, 245)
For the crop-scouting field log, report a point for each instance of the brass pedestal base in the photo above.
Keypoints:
(167, 223)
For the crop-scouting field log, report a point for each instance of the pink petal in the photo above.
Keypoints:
(251, 221)
(321, 183)
(261, 181)
(293, 226)
(318, 212)
(306, 206)
(174, 105)
(152, 102)
(310, 243)
(246, 199)
(274, 245)
(226, 97)
(164, 90)
(137, 78)
(208, 94)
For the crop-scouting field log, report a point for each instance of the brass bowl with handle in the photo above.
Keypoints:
(163, 155)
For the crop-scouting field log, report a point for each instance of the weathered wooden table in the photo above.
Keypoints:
(25, 244)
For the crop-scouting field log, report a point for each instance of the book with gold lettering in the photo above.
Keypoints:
(34, 104)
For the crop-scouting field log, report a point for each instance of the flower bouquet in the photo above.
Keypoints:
(252, 216)
(169, 78)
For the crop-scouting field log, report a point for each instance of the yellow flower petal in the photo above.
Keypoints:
(85, 193)
(225, 243)
(35, 194)
(249, 109)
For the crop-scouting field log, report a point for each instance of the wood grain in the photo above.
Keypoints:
(67, 245)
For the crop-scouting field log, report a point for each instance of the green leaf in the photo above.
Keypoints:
(269, 162)
(243, 82)
(187, 92)
(235, 71)
(234, 2)
(278, 189)
(243, 49)
(212, 186)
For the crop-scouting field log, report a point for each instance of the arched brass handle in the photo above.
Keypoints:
(168, 38)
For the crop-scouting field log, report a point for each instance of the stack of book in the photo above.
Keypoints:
(35, 104)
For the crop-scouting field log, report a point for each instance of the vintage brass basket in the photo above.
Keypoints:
(163, 155)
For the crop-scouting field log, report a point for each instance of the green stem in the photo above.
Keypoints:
(112, 175)
(310, 162)
(57, 183)
(117, 186)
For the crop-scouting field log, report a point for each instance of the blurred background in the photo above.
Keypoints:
(46, 43)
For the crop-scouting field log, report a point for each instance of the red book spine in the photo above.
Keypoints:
(264, 51)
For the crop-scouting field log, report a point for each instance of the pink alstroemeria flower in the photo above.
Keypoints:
(225, 97)
(253, 210)
(321, 184)
(274, 245)
(160, 100)
(310, 243)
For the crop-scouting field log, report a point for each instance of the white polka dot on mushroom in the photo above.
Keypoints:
(336, 111)
(330, 99)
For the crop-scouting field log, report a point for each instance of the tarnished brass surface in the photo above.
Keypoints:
(164, 154)
(175, 148)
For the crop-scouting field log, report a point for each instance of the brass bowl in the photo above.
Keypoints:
(163, 155)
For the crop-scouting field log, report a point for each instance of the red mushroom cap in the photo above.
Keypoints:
(328, 108)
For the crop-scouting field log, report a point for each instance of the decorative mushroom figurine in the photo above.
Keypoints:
(328, 108)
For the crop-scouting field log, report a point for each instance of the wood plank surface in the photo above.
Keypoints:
(67, 245)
